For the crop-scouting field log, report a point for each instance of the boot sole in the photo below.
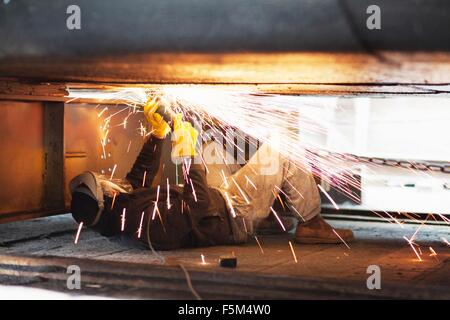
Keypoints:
(322, 240)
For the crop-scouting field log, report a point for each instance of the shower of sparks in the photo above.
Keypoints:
(77, 236)
(340, 238)
(270, 119)
(278, 219)
(122, 227)
(259, 245)
(286, 123)
(293, 252)
(262, 117)
(140, 225)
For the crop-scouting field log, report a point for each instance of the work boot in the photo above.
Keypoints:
(317, 230)
(270, 225)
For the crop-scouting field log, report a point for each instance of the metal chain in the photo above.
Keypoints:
(433, 166)
(443, 167)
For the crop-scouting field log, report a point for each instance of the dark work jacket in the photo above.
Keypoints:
(198, 215)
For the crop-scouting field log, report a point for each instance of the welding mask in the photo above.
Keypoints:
(87, 198)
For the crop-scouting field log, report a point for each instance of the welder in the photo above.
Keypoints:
(196, 214)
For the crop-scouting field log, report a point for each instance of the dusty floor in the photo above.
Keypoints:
(36, 253)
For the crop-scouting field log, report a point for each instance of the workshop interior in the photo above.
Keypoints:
(350, 97)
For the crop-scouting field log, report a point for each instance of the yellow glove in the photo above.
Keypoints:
(184, 138)
(160, 128)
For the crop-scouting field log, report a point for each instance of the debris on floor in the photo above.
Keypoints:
(37, 253)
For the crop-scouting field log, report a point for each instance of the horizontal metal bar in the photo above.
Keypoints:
(395, 69)
(27, 215)
(75, 154)
(124, 279)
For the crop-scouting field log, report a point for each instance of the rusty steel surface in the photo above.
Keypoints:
(22, 160)
(32, 162)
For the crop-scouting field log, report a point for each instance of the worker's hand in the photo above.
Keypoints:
(160, 128)
(184, 138)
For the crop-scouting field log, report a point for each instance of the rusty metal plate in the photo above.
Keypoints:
(22, 161)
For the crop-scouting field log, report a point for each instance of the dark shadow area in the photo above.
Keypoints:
(30, 28)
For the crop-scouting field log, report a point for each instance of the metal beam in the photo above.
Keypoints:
(288, 69)
(53, 155)
(169, 281)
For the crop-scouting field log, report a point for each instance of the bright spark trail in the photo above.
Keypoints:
(140, 224)
(113, 200)
(412, 245)
(293, 252)
(122, 227)
(259, 244)
(77, 237)
(340, 238)
(328, 196)
(278, 219)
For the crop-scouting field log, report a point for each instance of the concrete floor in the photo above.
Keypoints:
(36, 253)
